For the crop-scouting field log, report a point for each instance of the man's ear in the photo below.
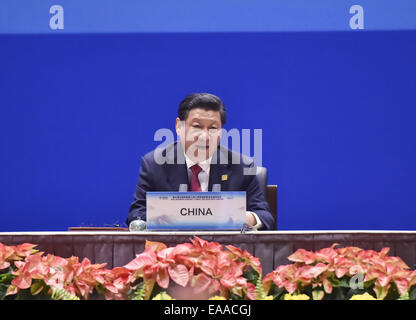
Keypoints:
(178, 126)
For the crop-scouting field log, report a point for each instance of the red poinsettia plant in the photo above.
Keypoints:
(201, 270)
(341, 273)
(198, 269)
(27, 273)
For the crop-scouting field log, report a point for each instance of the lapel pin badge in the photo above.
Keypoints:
(224, 177)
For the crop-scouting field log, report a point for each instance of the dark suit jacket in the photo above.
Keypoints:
(168, 177)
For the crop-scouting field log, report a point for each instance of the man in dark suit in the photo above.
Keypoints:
(199, 162)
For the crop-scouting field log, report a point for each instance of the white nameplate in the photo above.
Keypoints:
(196, 210)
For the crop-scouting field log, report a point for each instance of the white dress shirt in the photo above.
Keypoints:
(203, 178)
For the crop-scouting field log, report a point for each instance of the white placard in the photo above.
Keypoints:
(196, 210)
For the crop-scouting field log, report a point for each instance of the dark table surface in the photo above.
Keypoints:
(117, 247)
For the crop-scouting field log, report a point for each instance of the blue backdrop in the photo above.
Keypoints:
(337, 109)
(108, 16)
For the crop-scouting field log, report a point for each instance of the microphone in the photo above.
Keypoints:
(216, 187)
(183, 187)
(137, 225)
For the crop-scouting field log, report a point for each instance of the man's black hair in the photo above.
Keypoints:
(204, 101)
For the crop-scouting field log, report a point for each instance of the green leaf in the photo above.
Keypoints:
(404, 296)
(318, 294)
(140, 293)
(250, 275)
(392, 293)
(339, 293)
(343, 283)
(101, 290)
(3, 290)
(233, 296)
(276, 292)
(368, 284)
(6, 277)
(381, 292)
(62, 294)
(412, 293)
(37, 287)
(261, 295)
(25, 295)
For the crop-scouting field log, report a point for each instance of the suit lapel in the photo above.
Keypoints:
(177, 172)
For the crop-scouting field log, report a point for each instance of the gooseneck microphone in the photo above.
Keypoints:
(137, 225)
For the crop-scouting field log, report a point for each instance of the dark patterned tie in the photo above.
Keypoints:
(195, 185)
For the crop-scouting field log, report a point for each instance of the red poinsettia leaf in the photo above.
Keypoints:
(251, 292)
(162, 278)
(144, 259)
(205, 246)
(191, 273)
(25, 249)
(201, 282)
(22, 282)
(384, 280)
(290, 286)
(340, 272)
(327, 285)
(310, 272)
(402, 285)
(82, 288)
(372, 274)
(327, 254)
(198, 241)
(179, 274)
(166, 255)
(182, 249)
(55, 261)
(256, 265)
(11, 290)
(223, 260)
(397, 262)
(302, 255)
(154, 246)
(110, 287)
(228, 279)
(236, 251)
(267, 282)
(99, 279)
(384, 251)
(348, 251)
(208, 266)
(214, 287)
(283, 274)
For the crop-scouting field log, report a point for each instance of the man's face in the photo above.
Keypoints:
(200, 133)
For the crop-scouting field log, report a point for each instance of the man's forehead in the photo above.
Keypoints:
(202, 114)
